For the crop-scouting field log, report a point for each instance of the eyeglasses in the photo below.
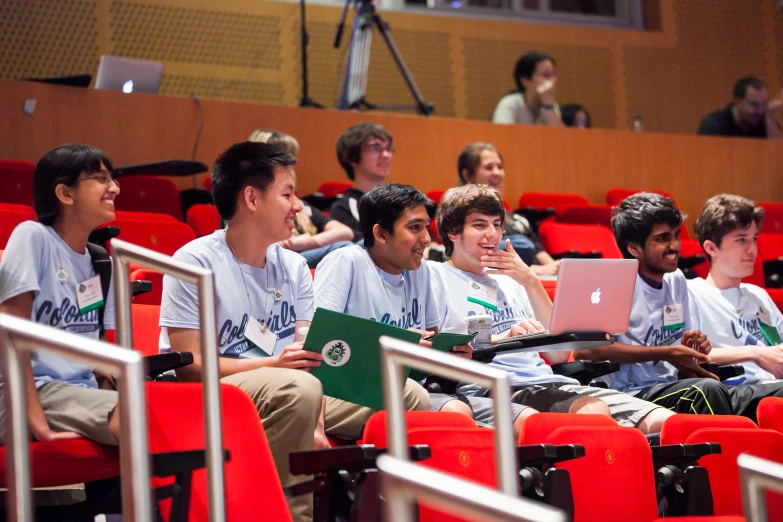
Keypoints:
(377, 148)
(104, 177)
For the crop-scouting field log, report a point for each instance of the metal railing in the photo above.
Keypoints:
(758, 475)
(397, 355)
(124, 253)
(404, 483)
(18, 336)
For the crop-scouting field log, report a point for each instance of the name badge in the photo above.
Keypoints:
(768, 330)
(258, 334)
(483, 295)
(673, 317)
(89, 295)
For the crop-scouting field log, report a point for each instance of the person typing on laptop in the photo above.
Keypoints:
(470, 220)
(661, 343)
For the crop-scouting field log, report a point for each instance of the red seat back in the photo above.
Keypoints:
(436, 195)
(10, 217)
(146, 332)
(203, 219)
(770, 414)
(331, 189)
(253, 490)
(616, 195)
(149, 194)
(537, 428)
(558, 201)
(166, 239)
(557, 238)
(16, 178)
(770, 246)
(142, 216)
(375, 429)
(154, 296)
(677, 428)
(587, 215)
(773, 222)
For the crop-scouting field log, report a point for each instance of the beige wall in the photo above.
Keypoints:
(248, 50)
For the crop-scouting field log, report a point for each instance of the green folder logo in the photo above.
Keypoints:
(336, 353)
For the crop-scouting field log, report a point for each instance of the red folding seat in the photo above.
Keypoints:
(143, 216)
(587, 215)
(149, 194)
(560, 238)
(549, 285)
(776, 294)
(154, 296)
(146, 332)
(164, 237)
(770, 414)
(773, 222)
(436, 195)
(17, 181)
(616, 195)
(10, 216)
(375, 430)
(557, 200)
(203, 219)
(207, 183)
(331, 189)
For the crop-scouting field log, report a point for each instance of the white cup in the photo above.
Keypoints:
(483, 325)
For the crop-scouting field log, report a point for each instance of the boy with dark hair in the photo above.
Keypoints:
(749, 114)
(264, 296)
(43, 266)
(741, 320)
(470, 224)
(661, 341)
(365, 152)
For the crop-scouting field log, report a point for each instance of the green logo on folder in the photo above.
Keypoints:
(336, 353)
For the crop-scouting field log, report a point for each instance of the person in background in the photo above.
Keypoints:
(576, 116)
(482, 164)
(533, 103)
(749, 115)
(315, 234)
(365, 152)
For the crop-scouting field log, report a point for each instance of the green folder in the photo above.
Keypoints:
(351, 369)
(443, 342)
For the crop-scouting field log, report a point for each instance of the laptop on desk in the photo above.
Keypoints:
(128, 75)
(592, 295)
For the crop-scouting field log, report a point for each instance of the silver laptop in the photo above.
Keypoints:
(592, 295)
(127, 75)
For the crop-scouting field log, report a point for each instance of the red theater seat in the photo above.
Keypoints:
(17, 182)
(587, 215)
(10, 216)
(152, 297)
(149, 194)
(616, 195)
(164, 237)
(559, 238)
(331, 189)
(558, 201)
(203, 219)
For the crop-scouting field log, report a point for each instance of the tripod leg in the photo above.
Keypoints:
(424, 107)
(354, 84)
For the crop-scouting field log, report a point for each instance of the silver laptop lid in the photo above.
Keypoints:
(594, 295)
(127, 75)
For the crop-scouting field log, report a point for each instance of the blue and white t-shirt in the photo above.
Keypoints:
(513, 306)
(730, 318)
(348, 281)
(646, 329)
(242, 290)
(37, 260)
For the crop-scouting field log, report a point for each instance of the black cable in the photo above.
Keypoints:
(200, 129)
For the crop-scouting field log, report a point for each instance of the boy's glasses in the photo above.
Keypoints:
(377, 148)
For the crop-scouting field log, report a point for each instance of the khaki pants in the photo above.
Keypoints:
(289, 403)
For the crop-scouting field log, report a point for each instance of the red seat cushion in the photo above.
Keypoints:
(558, 238)
(375, 429)
(154, 296)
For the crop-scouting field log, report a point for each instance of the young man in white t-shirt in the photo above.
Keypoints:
(387, 281)
(661, 342)
(741, 321)
(264, 296)
(42, 267)
(470, 223)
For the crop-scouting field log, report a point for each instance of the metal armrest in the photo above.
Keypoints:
(101, 236)
(155, 365)
(140, 287)
(585, 371)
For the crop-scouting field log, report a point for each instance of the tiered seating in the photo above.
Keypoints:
(568, 240)
(773, 223)
(203, 219)
(162, 236)
(10, 216)
(616, 195)
(587, 215)
(555, 200)
(149, 194)
(17, 181)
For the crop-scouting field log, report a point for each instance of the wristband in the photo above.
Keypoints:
(548, 107)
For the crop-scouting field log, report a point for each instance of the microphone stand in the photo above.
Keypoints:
(306, 100)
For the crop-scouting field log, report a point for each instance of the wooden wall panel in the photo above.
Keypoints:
(141, 128)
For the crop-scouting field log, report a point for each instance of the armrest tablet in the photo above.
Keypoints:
(164, 362)
(677, 453)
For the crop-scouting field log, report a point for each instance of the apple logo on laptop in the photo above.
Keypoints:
(127, 87)
(595, 297)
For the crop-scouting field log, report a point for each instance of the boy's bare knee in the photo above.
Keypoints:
(457, 406)
(653, 421)
(590, 405)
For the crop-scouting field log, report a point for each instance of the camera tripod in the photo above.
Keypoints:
(354, 84)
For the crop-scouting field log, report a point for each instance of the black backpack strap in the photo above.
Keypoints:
(101, 263)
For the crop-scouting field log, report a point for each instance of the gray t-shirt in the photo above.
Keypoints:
(37, 260)
(241, 290)
(512, 109)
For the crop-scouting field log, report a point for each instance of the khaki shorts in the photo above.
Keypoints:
(71, 408)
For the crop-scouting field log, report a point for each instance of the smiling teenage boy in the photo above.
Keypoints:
(660, 341)
(741, 320)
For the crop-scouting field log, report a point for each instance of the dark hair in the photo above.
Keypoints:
(243, 164)
(741, 87)
(526, 66)
(350, 142)
(385, 203)
(634, 218)
(470, 159)
(62, 165)
(568, 114)
(457, 203)
(726, 213)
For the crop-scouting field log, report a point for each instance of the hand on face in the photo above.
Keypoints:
(508, 263)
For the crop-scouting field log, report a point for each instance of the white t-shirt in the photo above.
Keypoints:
(716, 312)
(348, 281)
(242, 290)
(512, 109)
(513, 306)
(646, 329)
(33, 258)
